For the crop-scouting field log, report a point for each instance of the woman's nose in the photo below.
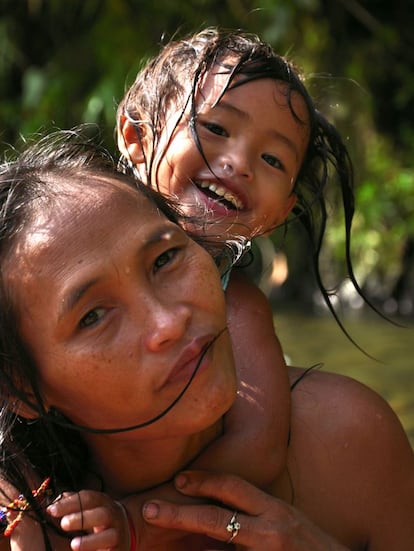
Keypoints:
(167, 324)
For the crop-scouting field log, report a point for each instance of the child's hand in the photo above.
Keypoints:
(101, 521)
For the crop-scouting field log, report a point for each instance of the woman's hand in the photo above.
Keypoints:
(264, 522)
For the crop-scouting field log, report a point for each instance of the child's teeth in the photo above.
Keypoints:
(222, 192)
(233, 200)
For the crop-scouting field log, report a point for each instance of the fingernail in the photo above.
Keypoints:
(75, 544)
(181, 480)
(150, 510)
(51, 510)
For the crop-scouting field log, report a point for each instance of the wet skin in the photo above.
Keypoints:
(117, 305)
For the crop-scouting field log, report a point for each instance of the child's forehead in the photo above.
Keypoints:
(218, 76)
(218, 83)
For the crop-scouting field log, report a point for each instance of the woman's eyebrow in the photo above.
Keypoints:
(160, 234)
(273, 133)
(73, 296)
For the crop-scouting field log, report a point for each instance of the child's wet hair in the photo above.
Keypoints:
(172, 79)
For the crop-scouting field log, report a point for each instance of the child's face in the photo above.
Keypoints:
(254, 148)
(116, 305)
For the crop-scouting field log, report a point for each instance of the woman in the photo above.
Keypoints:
(117, 371)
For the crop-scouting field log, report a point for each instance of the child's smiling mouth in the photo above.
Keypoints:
(219, 193)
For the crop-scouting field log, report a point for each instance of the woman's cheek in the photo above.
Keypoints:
(207, 285)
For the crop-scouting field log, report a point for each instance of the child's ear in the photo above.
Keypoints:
(130, 141)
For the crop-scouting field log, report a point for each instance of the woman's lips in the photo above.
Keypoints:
(188, 360)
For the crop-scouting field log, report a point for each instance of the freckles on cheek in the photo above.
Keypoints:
(213, 293)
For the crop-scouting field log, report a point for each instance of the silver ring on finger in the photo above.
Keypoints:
(233, 527)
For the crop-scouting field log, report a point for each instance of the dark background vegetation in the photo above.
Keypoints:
(63, 62)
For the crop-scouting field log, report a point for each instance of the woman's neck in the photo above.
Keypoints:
(128, 466)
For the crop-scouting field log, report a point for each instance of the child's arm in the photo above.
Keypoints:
(257, 426)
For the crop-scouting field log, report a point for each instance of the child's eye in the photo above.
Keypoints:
(165, 258)
(92, 317)
(272, 161)
(215, 128)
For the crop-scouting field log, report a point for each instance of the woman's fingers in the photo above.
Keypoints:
(248, 527)
(198, 519)
(215, 522)
(244, 515)
(229, 489)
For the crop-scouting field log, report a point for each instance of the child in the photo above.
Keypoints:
(223, 125)
(226, 127)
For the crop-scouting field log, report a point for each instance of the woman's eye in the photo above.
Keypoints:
(272, 161)
(92, 317)
(215, 128)
(165, 258)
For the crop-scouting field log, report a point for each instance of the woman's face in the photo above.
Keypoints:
(116, 304)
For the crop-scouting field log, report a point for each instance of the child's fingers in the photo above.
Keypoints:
(71, 502)
(101, 541)
(90, 520)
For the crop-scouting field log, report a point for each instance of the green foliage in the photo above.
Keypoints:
(63, 63)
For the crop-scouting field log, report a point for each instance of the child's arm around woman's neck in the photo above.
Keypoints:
(254, 443)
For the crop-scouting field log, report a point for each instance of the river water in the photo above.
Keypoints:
(308, 340)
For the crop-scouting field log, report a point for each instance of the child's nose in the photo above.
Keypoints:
(237, 164)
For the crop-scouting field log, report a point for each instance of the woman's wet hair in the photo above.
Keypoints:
(41, 443)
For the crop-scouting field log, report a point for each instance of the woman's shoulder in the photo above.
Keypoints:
(343, 413)
(349, 458)
(332, 399)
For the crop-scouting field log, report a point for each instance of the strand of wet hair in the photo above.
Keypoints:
(55, 417)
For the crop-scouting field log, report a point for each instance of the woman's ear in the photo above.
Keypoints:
(130, 141)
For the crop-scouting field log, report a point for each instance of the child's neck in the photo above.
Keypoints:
(130, 466)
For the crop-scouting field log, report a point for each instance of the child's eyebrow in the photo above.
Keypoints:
(273, 132)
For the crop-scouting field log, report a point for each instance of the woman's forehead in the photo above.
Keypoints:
(91, 199)
(78, 221)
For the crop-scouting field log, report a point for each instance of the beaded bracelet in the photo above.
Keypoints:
(132, 534)
(21, 505)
